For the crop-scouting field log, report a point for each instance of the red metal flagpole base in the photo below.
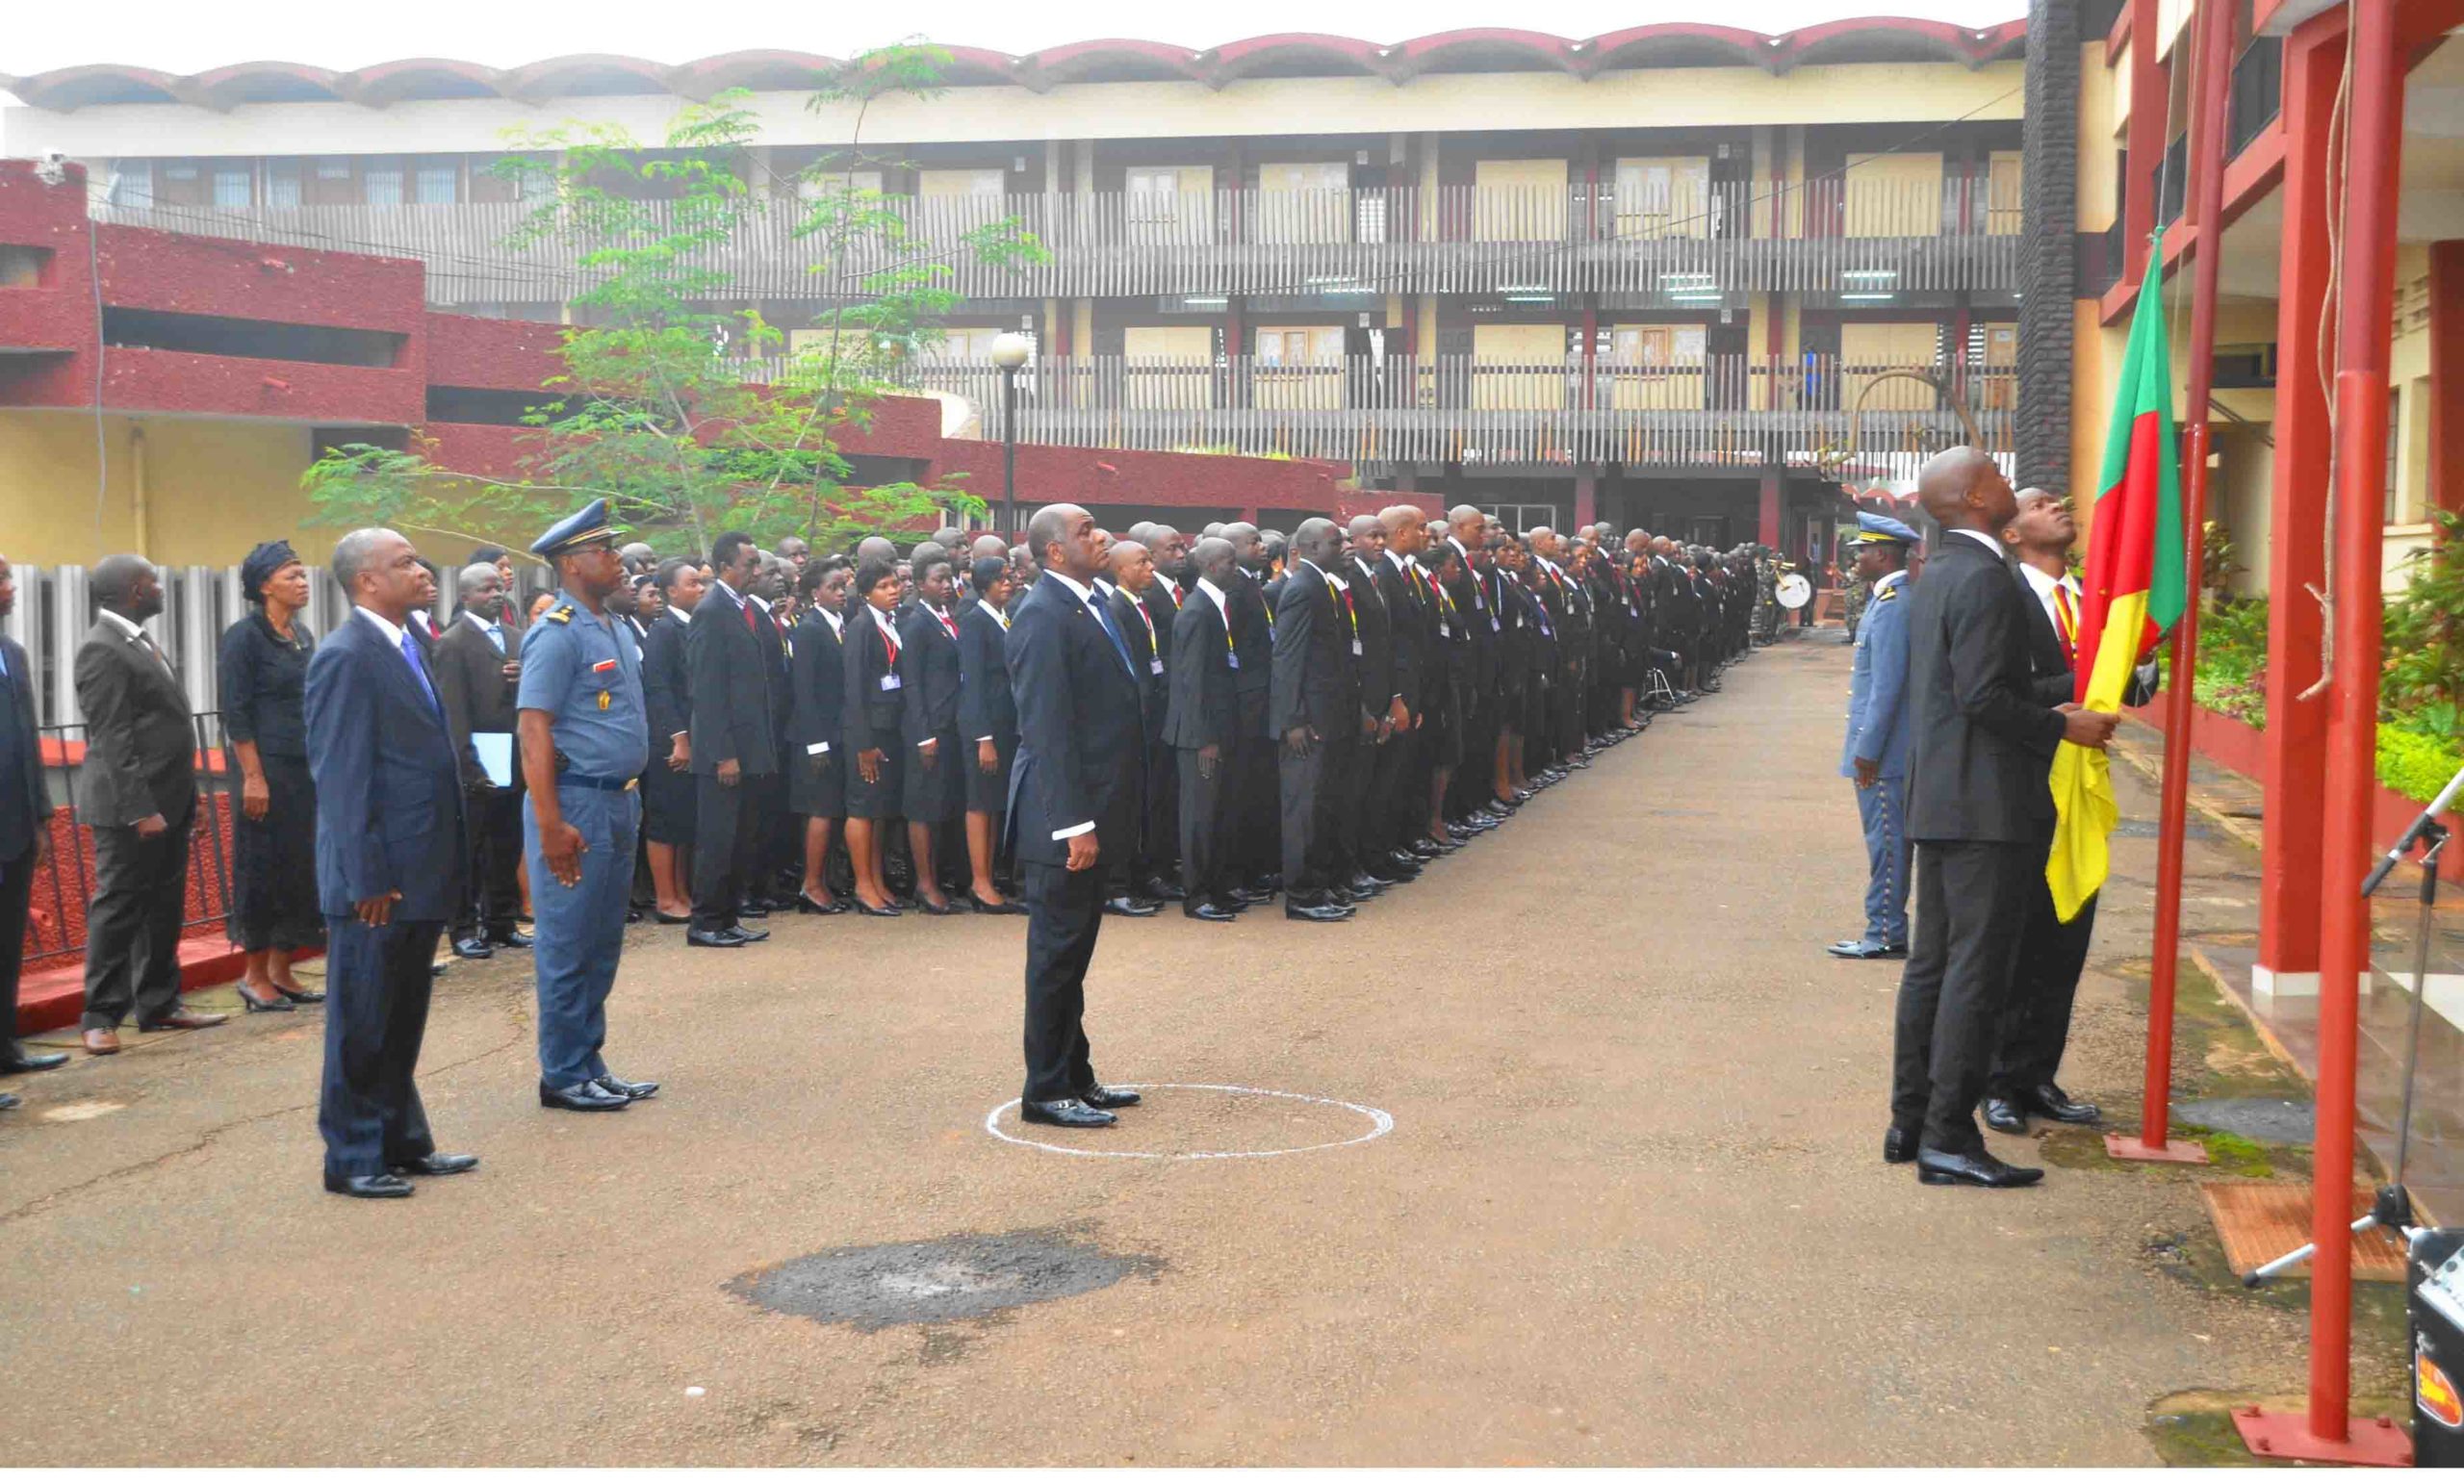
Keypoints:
(2375, 1441)
(2177, 1151)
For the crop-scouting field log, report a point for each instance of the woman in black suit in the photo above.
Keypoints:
(817, 762)
(928, 661)
(987, 726)
(667, 784)
(263, 680)
(870, 717)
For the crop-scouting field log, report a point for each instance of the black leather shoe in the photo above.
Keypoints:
(2059, 1106)
(2004, 1116)
(1005, 907)
(1399, 865)
(807, 907)
(755, 907)
(1368, 884)
(1067, 1112)
(373, 1188)
(1865, 948)
(472, 948)
(864, 908)
(1251, 896)
(1101, 1096)
(8, 1100)
(271, 1004)
(1317, 911)
(295, 996)
(671, 919)
(1933, 1166)
(1157, 889)
(583, 1097)
(510, 938)
(629, 1091)
(719, 937)
(437, 1165)
(16, 1058)
(744, 934)
(1207, 911)
(1899, 1145)
(1130, 907)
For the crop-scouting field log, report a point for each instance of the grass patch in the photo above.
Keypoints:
(2195, 1429)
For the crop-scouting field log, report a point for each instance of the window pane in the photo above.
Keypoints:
(282, 188)
(384, 188)
(135, 185)
(435, 185)
(231, 189)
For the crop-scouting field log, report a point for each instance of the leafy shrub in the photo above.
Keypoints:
(2418, 764)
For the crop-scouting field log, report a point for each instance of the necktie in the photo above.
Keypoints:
(947, 625)
(496, 637)
(752, 625)
(2066, 619)
(1120, 647)
(419, 671)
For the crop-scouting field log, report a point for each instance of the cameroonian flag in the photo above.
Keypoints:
(2135, 588)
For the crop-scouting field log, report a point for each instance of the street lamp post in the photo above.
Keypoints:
(1010, 352)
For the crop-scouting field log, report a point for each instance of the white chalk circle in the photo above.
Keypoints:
(1380, 1124)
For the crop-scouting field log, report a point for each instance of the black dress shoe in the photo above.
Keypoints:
(1865, 948)
(1067, 1112)
(374, 1188)
(946, 909)
(8, 1100)
(1156, 888)
(510, 938)
(1368, 884)
(583, 1097)
(295, 996)
(1400, 864)
(745, 934)
(1101, 1096)
(1317, 911)
(1130, 907)
(2004, 1116)
(1001, 909)
(472, 948)
(1207, 911)
(807, 907)
(436, 1164)
(1935, 1166)
(1899, 1145)
(1251, 896)
(629, 1091)
(755, 907)
(17, 1059)
(671, 919)
(271, 1005)
(2059, 1106)
(713, 937)
(864, 908)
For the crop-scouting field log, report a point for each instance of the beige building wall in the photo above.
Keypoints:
(180, 491)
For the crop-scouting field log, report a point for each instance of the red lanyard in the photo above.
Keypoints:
(889, 641)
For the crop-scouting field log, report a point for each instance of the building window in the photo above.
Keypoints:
(2395, 512)
(282, 184)
(233, 187)
(434, 184)
(384, 187)
(330, 168)
(131, 184)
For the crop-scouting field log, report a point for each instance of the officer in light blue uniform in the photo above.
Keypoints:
(586, 737)
(1876, 753)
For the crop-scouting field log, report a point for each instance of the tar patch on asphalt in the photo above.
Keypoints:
(963, 1277)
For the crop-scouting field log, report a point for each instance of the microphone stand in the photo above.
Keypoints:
(2393, 1206)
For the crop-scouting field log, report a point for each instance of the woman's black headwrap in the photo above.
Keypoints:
(268, 558)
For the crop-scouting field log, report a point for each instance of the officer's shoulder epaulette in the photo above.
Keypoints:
(1888, 593)
(561, 613)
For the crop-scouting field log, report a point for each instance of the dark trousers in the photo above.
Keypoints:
(1310, 812)
(1163, 844)
(1348, 797)
(1064, 912)
(377, 987)
(727, 833)
(133, 924)
(1252, 811)
(1395, 800)
(1971, 905)
(16, 894)
(2036, 1025)
(1206, 866)
(1475, 775)
(494, 900)
(782, 848)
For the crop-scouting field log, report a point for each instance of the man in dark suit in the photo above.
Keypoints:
(477, 663)
(392, 863)
(1318, 720)
(25, 834)
(1073, 793)
(733, 743)
(140, 785)
(2036, 1025)
(1139, 885)
(1252, 849)
(1980, 811)
(1368, 845)
(1201, 719)
(1399, 783)
(667, 787)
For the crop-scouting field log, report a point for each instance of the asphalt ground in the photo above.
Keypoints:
(1632, 1208)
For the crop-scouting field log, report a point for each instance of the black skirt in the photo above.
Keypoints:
(937, 794)
(989, 793)
(274, 863)
(817, 785)
(667, 804)
(878, 799)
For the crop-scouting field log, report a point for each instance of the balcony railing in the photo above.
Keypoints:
(1365, 410)
(1697, 246)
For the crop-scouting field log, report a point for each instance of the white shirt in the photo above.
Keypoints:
(837, 622)
(1987, 539)
(1087, 596)
(392, 630)
(1216, 594)
(682, 615)
(2042, 584)
(128, 628)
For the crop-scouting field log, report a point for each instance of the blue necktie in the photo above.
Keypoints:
(496, 637)
(1103, 616)
(418, 671)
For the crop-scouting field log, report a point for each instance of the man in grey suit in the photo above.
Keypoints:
(1876, 752)
(139, 788)
(1980, 810)
(25, 834)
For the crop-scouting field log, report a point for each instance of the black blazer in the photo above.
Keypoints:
(389, 788)
(1144, 648)
(2052, 677)
(1377, 660)
(729, 680)
(871, 717)
(1474, 617)
(1163, 611)
(819, 673)
(667, 688)
(1081, 746)
(1252, 633)
(1202, 708)
(1315, 683)
(775, 664)
(470, 679)
(927, 665)
(25, 800)
(141, 747)
(987, 708)
(1411, 630)
(1981, 746)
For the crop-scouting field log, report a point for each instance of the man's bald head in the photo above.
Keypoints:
(1215, 559)
(1316, 541)
(1962, 489)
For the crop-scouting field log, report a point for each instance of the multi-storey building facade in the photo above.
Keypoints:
(1681, 276)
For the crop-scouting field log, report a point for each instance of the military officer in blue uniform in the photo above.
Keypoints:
(1876, 753)
(586, 737)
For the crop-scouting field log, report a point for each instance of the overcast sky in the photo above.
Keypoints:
(191, 38)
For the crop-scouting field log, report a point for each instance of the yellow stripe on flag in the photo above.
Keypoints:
(2085, 809)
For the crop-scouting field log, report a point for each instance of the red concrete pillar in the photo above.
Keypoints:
(2145, 138)
(2297, 732)
(1767, 522)
(2447, 374)
(1586, 497)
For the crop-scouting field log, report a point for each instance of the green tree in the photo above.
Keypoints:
(656, 406)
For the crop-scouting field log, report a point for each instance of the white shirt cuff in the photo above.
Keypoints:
(927, 742)
(816, 749)
(986, 739)
(1089, 827)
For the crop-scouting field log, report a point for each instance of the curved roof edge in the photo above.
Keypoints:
(1877, 39)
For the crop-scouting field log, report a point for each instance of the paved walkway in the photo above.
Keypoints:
(1631, 1211)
